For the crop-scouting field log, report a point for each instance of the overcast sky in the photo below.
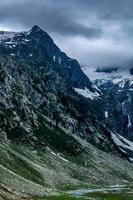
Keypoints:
(96, 32)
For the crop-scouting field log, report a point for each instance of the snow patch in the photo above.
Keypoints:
(131, 159)
(122, 142)
(60, 61)
(12, 54)
(106, 114)
(54, 58)
(87, 93)
(96, 88)
(59, 157)
(26, 40)
(122, 83)
(5, 35)
(129, 123)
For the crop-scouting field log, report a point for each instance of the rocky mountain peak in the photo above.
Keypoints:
(36, 28)
(36, 47)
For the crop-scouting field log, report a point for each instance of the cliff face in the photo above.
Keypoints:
(37, 48)
(37, 79)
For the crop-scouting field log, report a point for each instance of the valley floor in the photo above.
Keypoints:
(28, 173)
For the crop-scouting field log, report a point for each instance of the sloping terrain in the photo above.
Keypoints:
(28, 172)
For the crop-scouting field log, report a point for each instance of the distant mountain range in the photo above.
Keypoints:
(116, 86)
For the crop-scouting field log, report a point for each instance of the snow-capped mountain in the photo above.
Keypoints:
(114, 74)
(116, 86)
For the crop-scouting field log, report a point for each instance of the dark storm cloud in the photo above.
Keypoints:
(94, 31)
(63, 16)
(54, 18)
(107, 9)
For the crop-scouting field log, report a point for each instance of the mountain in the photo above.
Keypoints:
(53, 132)
(116, 88)
(36, 47)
